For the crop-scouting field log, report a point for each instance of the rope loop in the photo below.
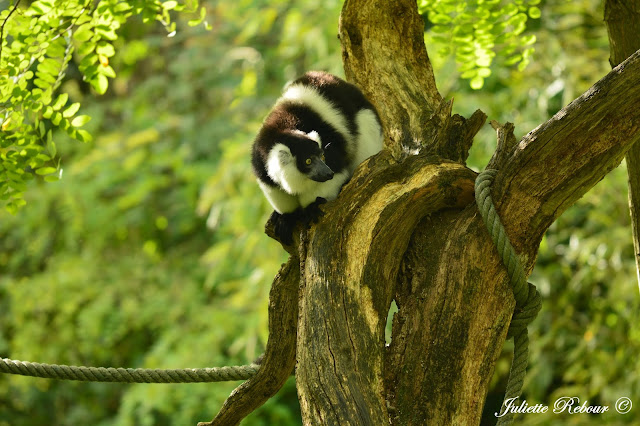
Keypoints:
(528, 300)
(524, 315)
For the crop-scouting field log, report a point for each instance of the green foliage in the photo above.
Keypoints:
(587, 332)
(41, 39)
(475, 31)
(150, 251)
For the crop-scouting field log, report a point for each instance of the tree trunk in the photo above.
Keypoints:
(406, 228)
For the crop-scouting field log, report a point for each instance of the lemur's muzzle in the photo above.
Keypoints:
(320, 172)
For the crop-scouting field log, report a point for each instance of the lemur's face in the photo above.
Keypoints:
(295, 160)
(310, 161)
(309, 157)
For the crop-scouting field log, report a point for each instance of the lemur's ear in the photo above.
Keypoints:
(315, 136)
(284, 155)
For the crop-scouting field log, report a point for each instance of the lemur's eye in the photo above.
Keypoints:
(308, 161)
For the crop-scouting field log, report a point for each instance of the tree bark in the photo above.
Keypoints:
(623, 25)
(352, 265)
(397, 69)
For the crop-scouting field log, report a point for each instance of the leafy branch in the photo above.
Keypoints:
(475, 31)
(43, 38)
(13, 9)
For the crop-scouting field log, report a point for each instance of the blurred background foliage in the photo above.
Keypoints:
(150, 251)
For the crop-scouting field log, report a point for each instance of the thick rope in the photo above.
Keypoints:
(528, 300)
(128, 375)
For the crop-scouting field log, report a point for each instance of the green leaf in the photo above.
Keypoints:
(83, 135)
(105, 49)
(91, 72)
(55, 119)
(15, 176)
(518, 20)
(41, 83)
(46, 170)
(40, 7)
(510, 9)
(439, 18)
(70, 112)
(106, 32)
(534, 12)
(440, 29)
(57, 48)
(65, 125)
(122, 7)
(49, 78)
(513, 60)
(483, 61)
(43, 157)
(51, 146)
(476, 83)
(49, 66)
(88, 61)
(484, 72)
(60, 101)
(86, 48)
(522, 65)
(168, 5)
(107, 71)
(80, 120)
(100, 84)
(528, 52)
(463, 39)
(469, 74)
(83, 33)
(203, 14)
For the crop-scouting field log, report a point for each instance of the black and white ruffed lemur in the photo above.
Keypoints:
(318, 132)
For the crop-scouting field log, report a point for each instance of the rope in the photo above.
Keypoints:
(128, 375)
(528, 300)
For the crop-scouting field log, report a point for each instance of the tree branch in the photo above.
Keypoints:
(280, 354)
(623, 25)
(13, 9)
(559, 161)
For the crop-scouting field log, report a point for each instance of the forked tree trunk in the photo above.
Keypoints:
(406, 228)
